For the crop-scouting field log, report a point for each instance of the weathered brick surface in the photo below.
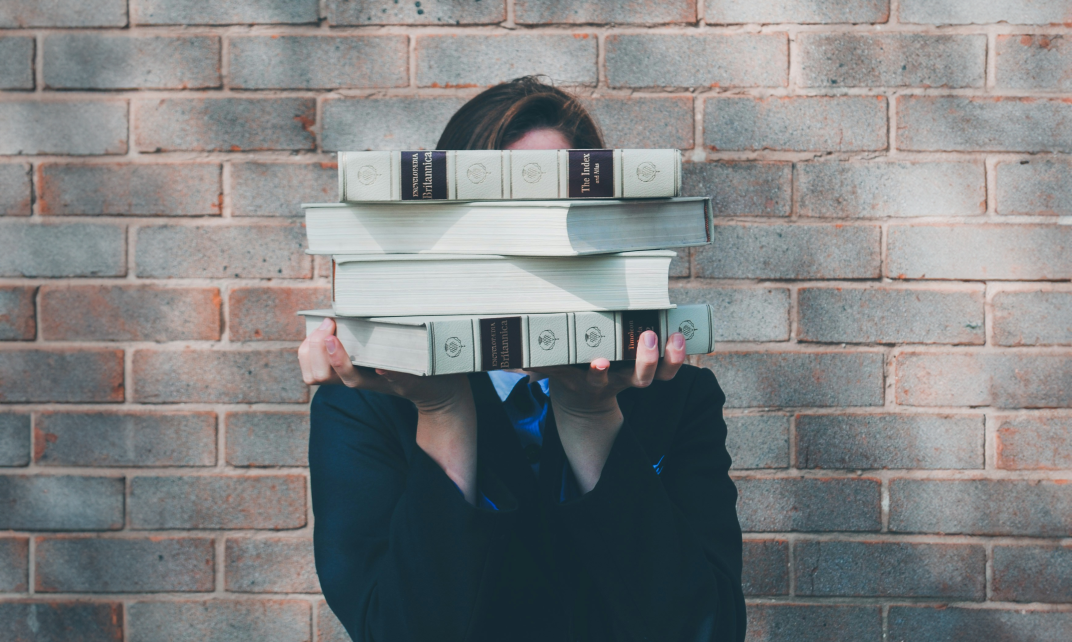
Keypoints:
(213, 376)
(61, 503)
(63, 375)
(867, 190)
(889, 441)
(219, 621)
(329, 628)
(836, 124)
(18, 321)
(741, 189)
(804, 504)
(1026, 443)
(968, 625)
(764, 11)
(644, 122)
(63, 13)
(14, 564)
(1007, 379)
(956, 123)
(317, 62)
(16, 190)
(224, 124)
(218, 502)
(766, 567)
(813, 623)
(62, 621)
(981, 507)
(978, 252)
(429, 12)
(538, 12)
(125, 439)
(446, 61)
(16, 62)
(742, 314)
(123, 565)
(267, 438)
(1033, 318)
(223, 12)
(58, 250)
(1034, 62)
(129, 313)
(277, 189)
(749, 251)
(246, 251)
(891, 60)
(1033, 573)
(737, 60)
(268, 314)
(77, 128)
(758, 441)
(276, 565)
(97, 61)
(14, 439)
(142, 190)
(793, 379)
(890, 569)
(351, 124)
(943, 12)
(871, 315)
(1034, 187)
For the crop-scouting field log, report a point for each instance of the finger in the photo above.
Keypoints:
(598, 371)
(673, 357)
(317, 361)
(647, 359)
(340, 363)
(304, 356)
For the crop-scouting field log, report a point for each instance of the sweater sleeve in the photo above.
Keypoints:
(663, 549)
(400, 554)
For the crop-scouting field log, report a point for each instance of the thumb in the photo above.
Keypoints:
(340, 362)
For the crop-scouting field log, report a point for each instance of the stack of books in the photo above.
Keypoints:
(460, 261)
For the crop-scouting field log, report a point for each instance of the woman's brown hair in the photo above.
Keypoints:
(504, 113)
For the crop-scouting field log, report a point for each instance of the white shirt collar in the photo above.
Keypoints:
(505, 382)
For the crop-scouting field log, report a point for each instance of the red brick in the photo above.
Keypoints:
(980, 252)
(216, 251)
(784, 505)
(954, 624)
(129, 313)
(139, 190)
(267, 438)
(18, 318)
(1034, 443)
(123, 565)
(813, 623)
(793, 379)
(669, 60)
(62, 621)
(1033, 573)
(14, 564)
(268, 314)
(212, 376)
(857, 442)
(278, 189)
(275, 565)
(644, 122)
(798, 123)
(1033, 318)
(218, 502)
(766, 567)
(125, 439)
(219, 620)
(69, 375)
(981, 507)
(1006, 379)
(224, 124)
(16, 190)
(975, 124)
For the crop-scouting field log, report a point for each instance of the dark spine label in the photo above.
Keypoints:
(591, 173)
(634, 324)
(500, 343)
(424, 176)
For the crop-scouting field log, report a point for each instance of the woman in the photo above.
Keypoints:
(573, 503)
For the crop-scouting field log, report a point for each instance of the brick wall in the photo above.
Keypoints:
(889, 268)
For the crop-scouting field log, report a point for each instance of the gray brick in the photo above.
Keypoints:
(1007, 379)
(329, 628)
(795, 379)
(57, 250)
(277, 189)
(56, 621)
(126, 439)
(978, 252)
(140, 190)
(944, 12)
(263, 502)
(210, 251)
(1033, 318)
(18, 320)
(14, 564)
(630, 123)
(890, 569)
(891, 60)
(447, 61)
(975, 124)
(980, 507)
(805, 504)
(813, 623)
(858, 315)
(129, 313)
(1034, 187)
(277, 565)
(429, 12)
(1033, 573)
(208, 376)
(223, 12)
(1026, 443)
(767, 11)
(889, 441)
(63, 13)
(76, 128)
(766, 567)
(353, 124)
(741, 189)
(16, 190)
(14, 440)
(318, 62)
(267, 313)
(744, 251)
(61, 503)
(720, 60)
(219, 621)
(1034, 62)
(758, 441)
(539, 12)
(107, 61)
(16, 62)
(952, 624)
(866, 190)
(225, 124)
(742, 314)
(679, 265)
(267, 438)
(114, 565)
(72, 375)
(797, 124)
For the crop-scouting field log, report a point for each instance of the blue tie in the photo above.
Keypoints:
(527, 407)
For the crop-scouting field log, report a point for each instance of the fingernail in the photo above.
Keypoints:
(600, 366)
(324, 323)
(331, 344)
(650, 339)
(679, 340)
